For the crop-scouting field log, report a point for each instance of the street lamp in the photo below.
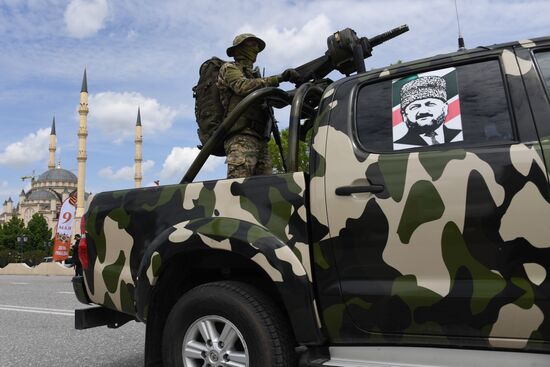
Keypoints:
(21, 240)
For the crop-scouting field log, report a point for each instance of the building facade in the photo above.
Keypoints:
(47, 193)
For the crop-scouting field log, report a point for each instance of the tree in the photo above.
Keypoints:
(39, 234)
(7, 256)
(303, 153)
(2, 247)
(33, 257)
(10, 230)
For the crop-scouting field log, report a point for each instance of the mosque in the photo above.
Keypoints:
(50, 189)
(46, 194)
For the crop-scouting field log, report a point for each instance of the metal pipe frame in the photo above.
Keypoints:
(294, 122)
(278, 96)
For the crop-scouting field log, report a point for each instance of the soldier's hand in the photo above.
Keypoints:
(290, 75)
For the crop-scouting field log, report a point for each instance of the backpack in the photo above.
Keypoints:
(209, 110)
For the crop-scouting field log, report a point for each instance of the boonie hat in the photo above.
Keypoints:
(240, 39)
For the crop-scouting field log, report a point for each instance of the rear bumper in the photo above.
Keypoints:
(80, 289)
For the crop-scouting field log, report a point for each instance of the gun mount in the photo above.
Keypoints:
(346, 53)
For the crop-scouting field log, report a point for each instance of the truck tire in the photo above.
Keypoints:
(227, 323)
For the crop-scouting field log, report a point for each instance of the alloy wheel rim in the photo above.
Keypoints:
(214, 341)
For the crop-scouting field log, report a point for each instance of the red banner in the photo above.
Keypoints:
(61, 248)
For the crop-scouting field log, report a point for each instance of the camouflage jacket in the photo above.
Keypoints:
(236, 81)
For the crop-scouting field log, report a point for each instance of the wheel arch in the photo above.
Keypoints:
(191, 250)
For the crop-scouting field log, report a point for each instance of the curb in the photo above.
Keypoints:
(40, 269)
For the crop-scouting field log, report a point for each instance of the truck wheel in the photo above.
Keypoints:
(226, 324)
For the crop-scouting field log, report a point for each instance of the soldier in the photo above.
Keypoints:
(246, 142)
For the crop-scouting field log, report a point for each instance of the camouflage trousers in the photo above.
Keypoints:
(247, 156)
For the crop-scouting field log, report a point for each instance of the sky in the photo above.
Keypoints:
(147, 53)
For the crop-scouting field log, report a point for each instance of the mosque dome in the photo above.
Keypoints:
(42, 195)
(57, 174)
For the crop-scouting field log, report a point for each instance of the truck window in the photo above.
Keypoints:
(455, 106)
(543, 60)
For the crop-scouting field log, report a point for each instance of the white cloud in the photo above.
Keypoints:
(125, 173)
(180, 158)
(294, 45)
(85, 18)
(33, 148)
(115, 114)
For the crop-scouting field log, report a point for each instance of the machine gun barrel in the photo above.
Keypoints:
(346, 53)
(386, 36)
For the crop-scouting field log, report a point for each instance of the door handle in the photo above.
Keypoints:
(348, 190)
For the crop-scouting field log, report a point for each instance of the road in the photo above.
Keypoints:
(37, 328)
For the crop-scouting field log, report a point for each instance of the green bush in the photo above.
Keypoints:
(7, 256)
(33, 257)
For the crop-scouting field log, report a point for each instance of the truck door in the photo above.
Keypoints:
(437, 206)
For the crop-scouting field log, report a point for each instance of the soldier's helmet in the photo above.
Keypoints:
(240, 39)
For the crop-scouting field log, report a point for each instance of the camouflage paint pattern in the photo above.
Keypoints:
(454, 251)
(132, 233)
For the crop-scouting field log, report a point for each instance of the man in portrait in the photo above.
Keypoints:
(424, 109)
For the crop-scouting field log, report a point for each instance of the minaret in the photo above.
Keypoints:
(138, 159)
(9, 205)
(22, 197)
(81, 158)
(53, 142)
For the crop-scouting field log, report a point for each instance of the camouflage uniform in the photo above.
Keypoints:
(246, 143)
(247, 155)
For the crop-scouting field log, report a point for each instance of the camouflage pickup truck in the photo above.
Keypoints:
(420, 234)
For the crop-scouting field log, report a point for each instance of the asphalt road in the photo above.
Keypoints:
(37, 328)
